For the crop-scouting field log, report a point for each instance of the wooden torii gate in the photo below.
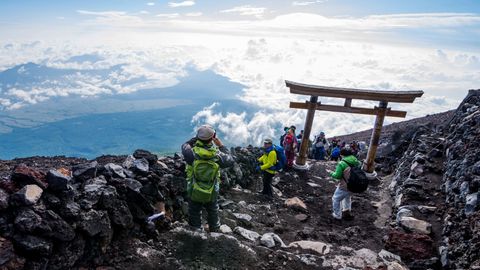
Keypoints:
(315, 91)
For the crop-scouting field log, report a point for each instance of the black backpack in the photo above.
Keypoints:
(357, 182)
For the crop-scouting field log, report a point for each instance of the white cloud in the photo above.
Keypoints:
(102, 13)
(150, 4)
(247, 10)
(307, 3)
(168, 15)
(181, 4)
(193, 14)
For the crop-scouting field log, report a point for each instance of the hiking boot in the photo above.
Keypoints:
(347, 215)
(336, 217)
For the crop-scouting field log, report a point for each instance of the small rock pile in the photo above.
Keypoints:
(461, 230)
(64, 217)
(415, 188)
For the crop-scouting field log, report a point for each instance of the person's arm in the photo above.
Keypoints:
(225, 159)
(338, 171)
(269, 161)
(187, 151)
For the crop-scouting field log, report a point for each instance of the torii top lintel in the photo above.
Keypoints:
(350, 93)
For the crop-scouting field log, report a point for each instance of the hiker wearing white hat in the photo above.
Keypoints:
(205, 154)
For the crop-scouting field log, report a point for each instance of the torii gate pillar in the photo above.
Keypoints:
(369, 164)
(302, 157)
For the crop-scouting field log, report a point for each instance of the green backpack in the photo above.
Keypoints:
(205, 172)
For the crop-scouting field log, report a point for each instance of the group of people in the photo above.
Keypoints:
(205, 154)
(322, 149)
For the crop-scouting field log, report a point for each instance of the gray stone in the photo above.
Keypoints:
(416, 225)
(33, 245)
(3, 200)
(27, 221)
(245, 217)
(133, 184)
(140, 166)
(387, 256)
(128, 163)
(115, 170)
(270, 240)
(403, 212)
(319, 247)
(95, 223)
(60, 229)
(225, 229)
(85, 171)
(471, 203)
(247, 234)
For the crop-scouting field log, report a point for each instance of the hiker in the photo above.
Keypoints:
(290, 146)
(268, 161)
(299, 140)
(341, 201)
(205, 154)
(320, 145)
(335, 153)
(285, 132)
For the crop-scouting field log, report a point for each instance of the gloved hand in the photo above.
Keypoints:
(152, 218)
(258, 168)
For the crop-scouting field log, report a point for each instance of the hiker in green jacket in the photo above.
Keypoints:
(205, 154)
(341, 199)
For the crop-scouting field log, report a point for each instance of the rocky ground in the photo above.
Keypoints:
(421, 213)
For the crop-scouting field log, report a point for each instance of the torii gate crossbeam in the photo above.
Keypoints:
(315, 91)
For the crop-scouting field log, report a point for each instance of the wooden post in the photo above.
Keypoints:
(302, 157)
(369, 165)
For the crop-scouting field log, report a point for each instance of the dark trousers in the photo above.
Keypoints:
(195, 214)
(267, 184)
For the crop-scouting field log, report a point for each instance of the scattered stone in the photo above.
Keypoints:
(128, 163)
(295, 203)
(387, 256)
(270, 240)
(319, 247)
(95, 223)
(301, 217)
(426, 209)
(313, 184)
(247, 234)
(244, 217)
(28, 195)
(416, 225)
(225, 229)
